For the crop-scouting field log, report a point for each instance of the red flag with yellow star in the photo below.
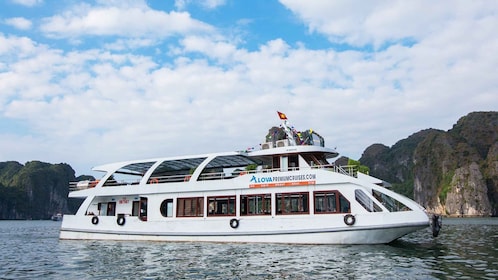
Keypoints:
(282, 116)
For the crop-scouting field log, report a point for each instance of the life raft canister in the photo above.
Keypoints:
(349, 220)
(234, 223)
(95, 220)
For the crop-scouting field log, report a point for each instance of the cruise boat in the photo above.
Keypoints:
(288, 191)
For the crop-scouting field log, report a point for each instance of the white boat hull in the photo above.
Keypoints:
(276, 230)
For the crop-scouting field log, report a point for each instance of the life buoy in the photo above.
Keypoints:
(92, 184)
(349, 220)
(95, 220)
(234, 223)
(121, 220)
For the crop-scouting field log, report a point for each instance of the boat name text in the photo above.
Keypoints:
(279, 181)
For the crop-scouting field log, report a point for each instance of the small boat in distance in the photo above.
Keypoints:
(286, 192)
(56, 217)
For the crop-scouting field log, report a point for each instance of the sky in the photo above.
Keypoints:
(93, 82)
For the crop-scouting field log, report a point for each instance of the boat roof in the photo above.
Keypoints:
(224, 159)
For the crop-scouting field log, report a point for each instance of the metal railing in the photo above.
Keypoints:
(349, 170)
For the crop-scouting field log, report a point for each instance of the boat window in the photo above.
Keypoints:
(366, 202)
(111, 209)
(102, 209)
(258, 204)
(167, 208)
(178, 170)
(130, 174)
(292, 203)
(390, 203)
(293, 162)
(190, 207)
(276, 162)
(326, 202)
(344, 205)
(143, 209)
(221, 206)
(330, 202)
(135, 208)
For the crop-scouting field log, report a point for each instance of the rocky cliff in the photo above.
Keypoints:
(452, 172)
(36, 190)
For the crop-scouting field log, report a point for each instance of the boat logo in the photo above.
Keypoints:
(255, 179)
(281, 181)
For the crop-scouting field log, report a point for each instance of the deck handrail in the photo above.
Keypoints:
(349, 170)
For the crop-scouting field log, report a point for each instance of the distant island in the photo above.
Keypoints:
(452, 173)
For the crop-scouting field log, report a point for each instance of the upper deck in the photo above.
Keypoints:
(285, 149)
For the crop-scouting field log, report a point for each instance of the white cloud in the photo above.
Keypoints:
(94, 106)
(124, 20)
(207, 4)
(19, 23)
(376, 22)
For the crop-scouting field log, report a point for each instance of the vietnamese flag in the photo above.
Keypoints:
(282, 116)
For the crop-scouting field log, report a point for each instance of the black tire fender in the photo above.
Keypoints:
(349, 220)
(234, 223)
(121, 220)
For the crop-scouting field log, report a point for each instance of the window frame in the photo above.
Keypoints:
(265, 201)
(324, 195)
(197, 207)
(165, 208)
(220, 199)
(280, 203)
(366, 202)
(339, 199)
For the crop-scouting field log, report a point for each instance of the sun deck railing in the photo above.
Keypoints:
(349, 170)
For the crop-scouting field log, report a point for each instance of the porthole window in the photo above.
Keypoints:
(167, 208)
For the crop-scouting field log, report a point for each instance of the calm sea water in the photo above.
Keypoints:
(465, 249)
